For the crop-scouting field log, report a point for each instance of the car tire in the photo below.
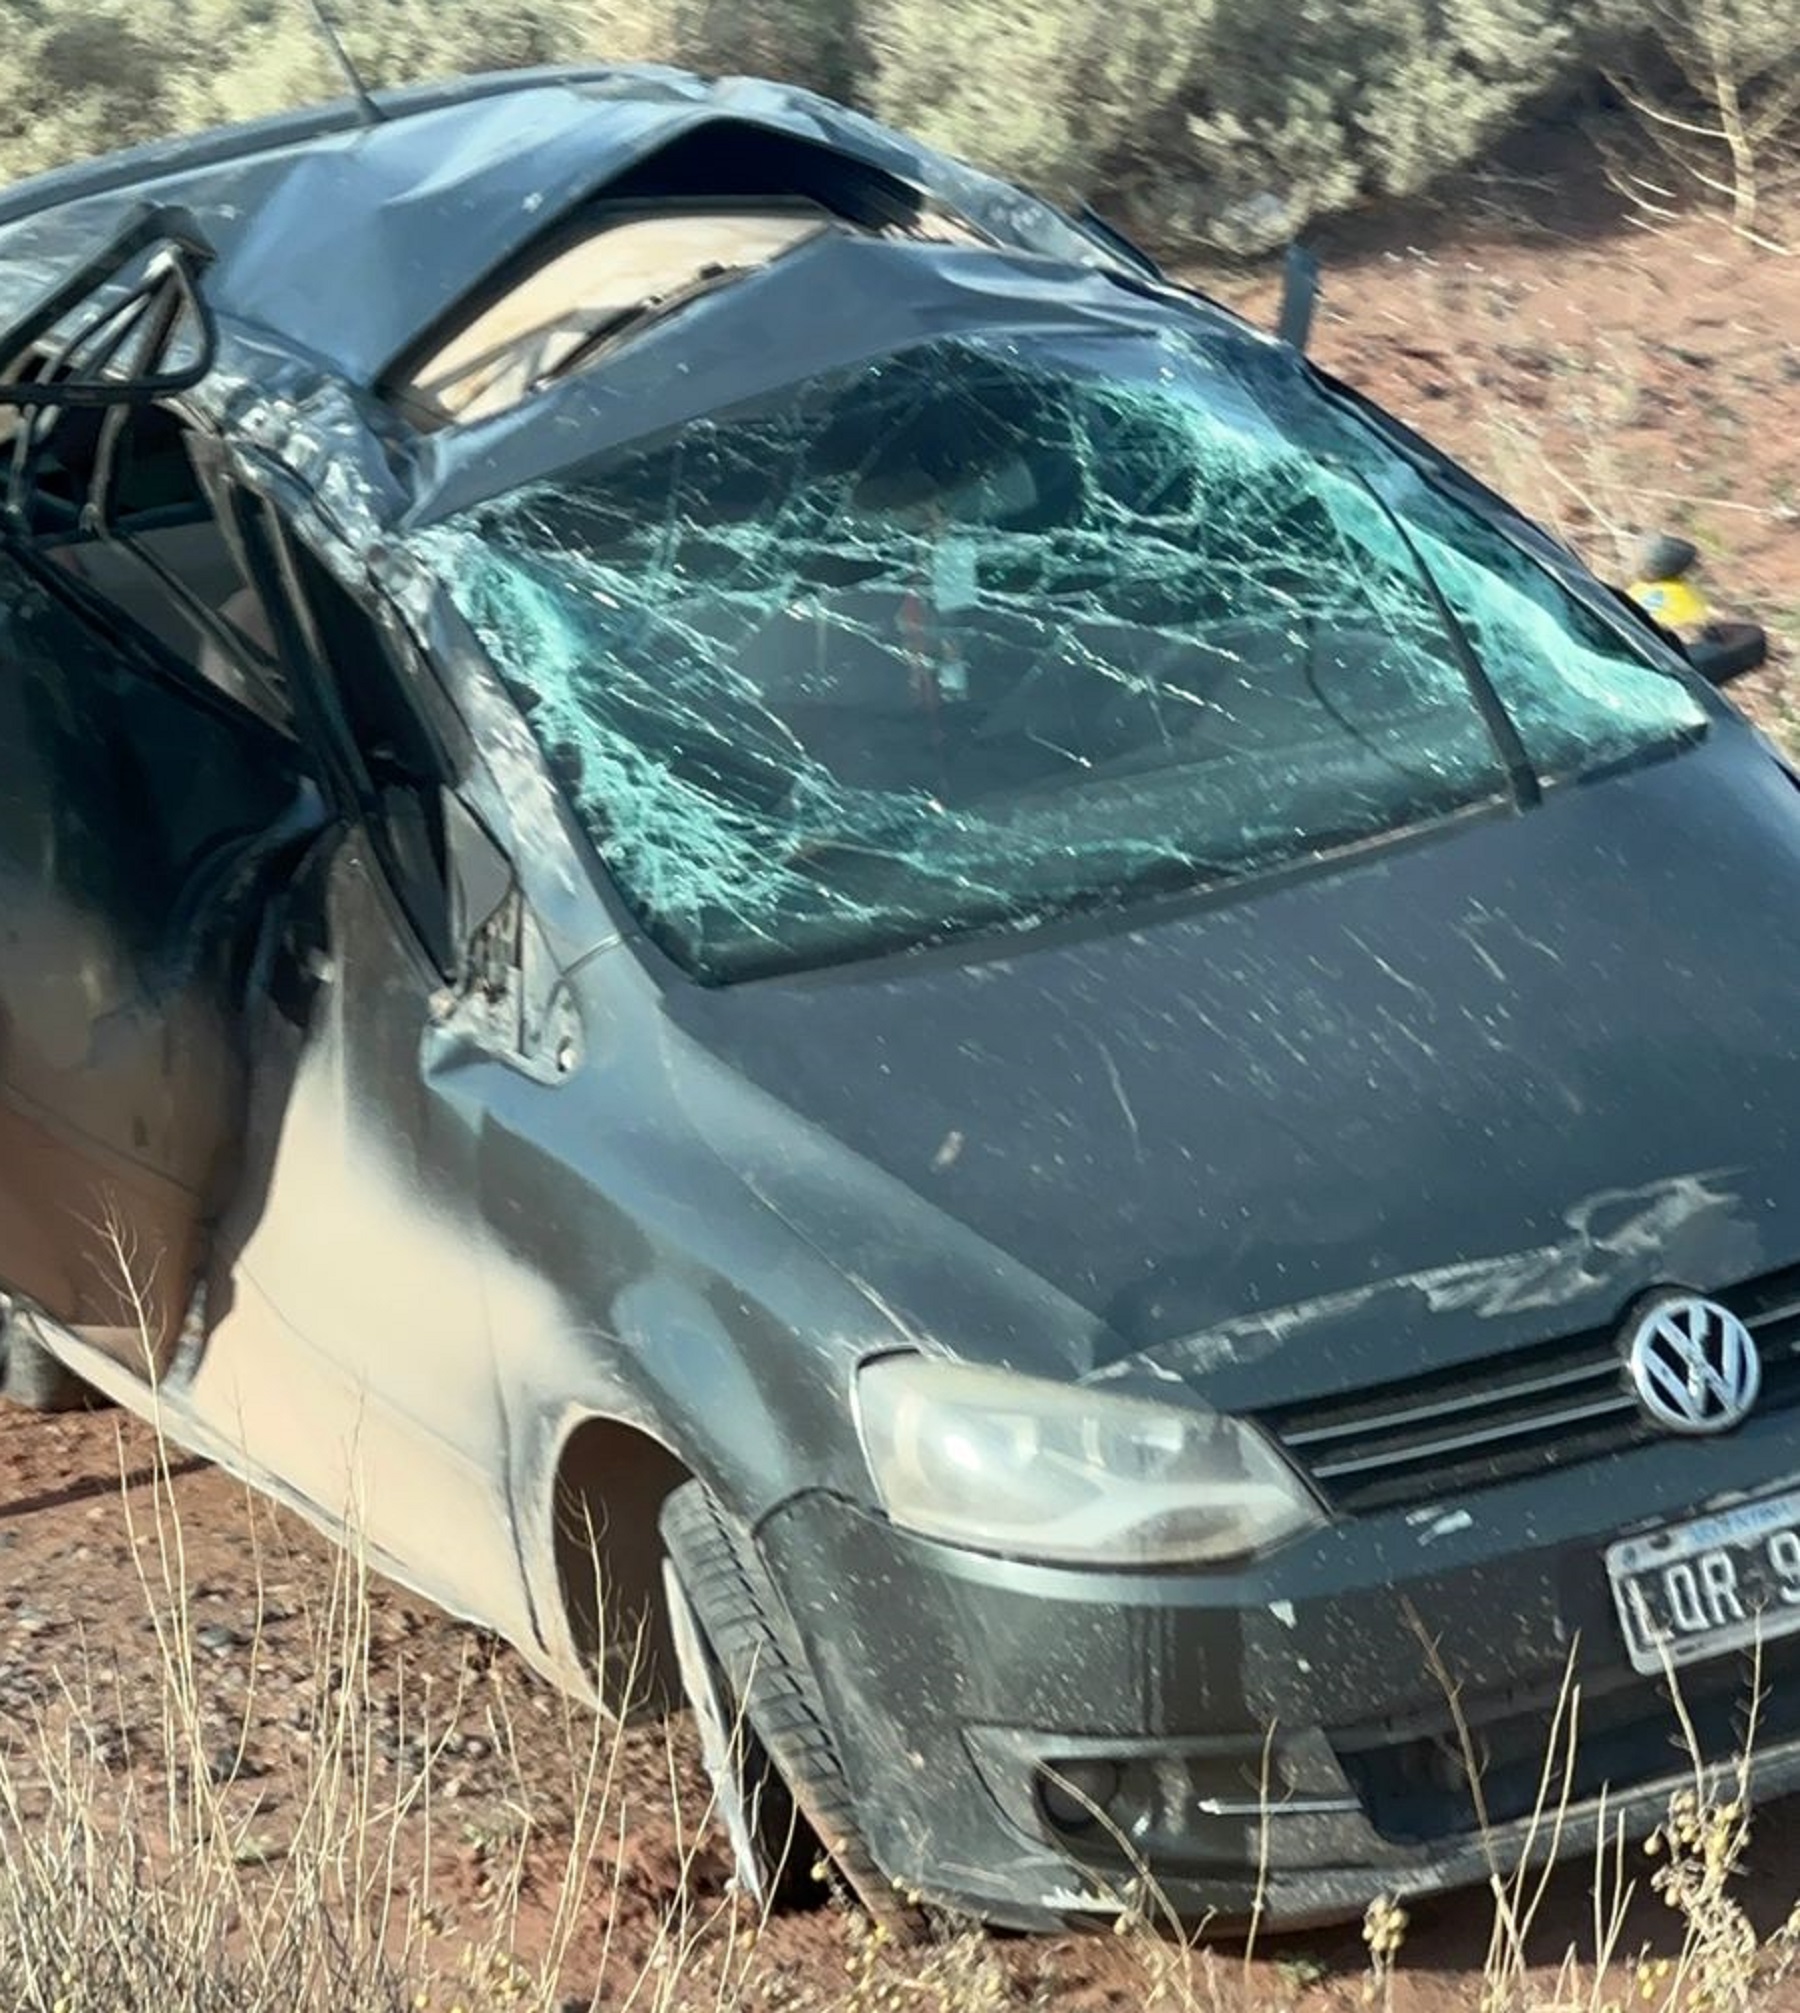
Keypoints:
(30, 1377)
(780, 1788)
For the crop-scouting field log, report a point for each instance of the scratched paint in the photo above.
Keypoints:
(1604, 1229)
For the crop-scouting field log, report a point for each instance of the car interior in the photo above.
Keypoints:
(723, 201)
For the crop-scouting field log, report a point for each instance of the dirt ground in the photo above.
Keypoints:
(1619, 381)
(86, 1524)
(1615, 379)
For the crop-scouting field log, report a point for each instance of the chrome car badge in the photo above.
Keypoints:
(1694, 1365)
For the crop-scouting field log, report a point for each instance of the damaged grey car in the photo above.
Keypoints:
(805, 937)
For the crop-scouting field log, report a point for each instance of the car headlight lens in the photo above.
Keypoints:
(1057, 1472)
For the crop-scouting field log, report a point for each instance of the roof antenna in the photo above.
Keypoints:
(371, 112)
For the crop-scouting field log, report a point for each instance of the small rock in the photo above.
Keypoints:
(107, 1745)
(218, 1638)
(227, 1764)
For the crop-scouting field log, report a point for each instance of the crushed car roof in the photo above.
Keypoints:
(341, 243)
(451, 182)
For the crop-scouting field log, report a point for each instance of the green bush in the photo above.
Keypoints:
(1052, 92)
(90, 74)
(1226, 122)
(1217, 121)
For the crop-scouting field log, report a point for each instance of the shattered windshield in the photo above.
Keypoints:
(999, 629)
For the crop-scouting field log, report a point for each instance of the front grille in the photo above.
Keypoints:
(1524, 1413)
(1414, 1782)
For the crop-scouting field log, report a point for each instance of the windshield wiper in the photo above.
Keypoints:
(1521, 774)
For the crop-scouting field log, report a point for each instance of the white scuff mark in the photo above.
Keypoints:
(888, 1311)
(1446, 1526)
(1389, 971)
(1074, 1900)
(1541, 1276)
(1118, 1090)
(1283, 1611)
(948, 1153)
(1481, 951)
(1160, 1371)
(1409, 1034)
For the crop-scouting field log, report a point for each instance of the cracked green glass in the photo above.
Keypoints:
(997, 630)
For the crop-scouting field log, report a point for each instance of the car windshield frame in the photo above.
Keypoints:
(631, 614)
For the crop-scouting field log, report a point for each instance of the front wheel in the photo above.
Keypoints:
(781, 1791)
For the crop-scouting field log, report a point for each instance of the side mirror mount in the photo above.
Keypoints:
(480, 875)
(509, 994)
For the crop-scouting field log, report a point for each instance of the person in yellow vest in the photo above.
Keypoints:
(1664, 586)
(1665, 589)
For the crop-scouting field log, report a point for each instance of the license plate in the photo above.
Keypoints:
(1698, 1589)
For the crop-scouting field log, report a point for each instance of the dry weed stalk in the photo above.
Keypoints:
(133, 1874)
(136, 1878)
(1729, 126)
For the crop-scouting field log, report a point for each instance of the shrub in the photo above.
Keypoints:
(92, 74)
(1054, 93)
(1715, 86)
(1217, 122)
(1208, 121)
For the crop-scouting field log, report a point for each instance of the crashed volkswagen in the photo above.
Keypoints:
(796, 932)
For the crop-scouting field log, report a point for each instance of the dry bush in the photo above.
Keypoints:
(136, 1873)
(1210, 122)
(1216, 123)
(1715, 89)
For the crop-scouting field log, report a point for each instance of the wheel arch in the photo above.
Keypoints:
(610, 1480)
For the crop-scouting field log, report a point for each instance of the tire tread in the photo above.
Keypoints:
(754, 1644)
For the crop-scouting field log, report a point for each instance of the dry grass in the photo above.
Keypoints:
(136, 1873)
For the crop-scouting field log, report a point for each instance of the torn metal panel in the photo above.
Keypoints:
(444, 195)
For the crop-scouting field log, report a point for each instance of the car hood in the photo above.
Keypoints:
(1427, 1104)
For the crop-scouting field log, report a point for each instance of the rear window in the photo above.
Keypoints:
(1001, 629)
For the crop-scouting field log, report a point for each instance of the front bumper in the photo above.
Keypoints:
(1391, 1704)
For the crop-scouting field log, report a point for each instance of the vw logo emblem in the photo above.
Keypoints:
(1694, 1365)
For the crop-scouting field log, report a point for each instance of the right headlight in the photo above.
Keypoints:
(1064, 1474)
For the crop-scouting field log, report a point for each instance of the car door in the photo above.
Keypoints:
(140, 809)
(149, 784)
(349, 1356)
